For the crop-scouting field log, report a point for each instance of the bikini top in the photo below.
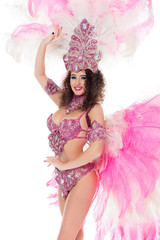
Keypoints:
(70, 129)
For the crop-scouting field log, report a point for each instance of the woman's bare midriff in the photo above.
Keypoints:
(72, 150)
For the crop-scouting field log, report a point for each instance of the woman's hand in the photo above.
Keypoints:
(56, 162)
(54, 37)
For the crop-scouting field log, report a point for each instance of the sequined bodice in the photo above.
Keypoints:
(67, 129)
(70, 129)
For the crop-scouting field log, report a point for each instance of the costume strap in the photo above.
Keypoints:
(82, 114)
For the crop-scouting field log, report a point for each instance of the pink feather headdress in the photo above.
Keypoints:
(118, 28)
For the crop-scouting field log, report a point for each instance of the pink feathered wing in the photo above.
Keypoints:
(131, 175)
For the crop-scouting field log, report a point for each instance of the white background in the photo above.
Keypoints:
(24, 107)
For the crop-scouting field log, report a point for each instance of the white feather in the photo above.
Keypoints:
(109, 24)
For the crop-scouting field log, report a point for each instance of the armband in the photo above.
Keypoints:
(51, 87)
(96, 132)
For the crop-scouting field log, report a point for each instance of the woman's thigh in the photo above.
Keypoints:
(61, 200)
(77, 205)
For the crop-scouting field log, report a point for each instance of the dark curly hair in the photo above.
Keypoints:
(94, 90)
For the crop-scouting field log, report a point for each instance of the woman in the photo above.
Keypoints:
(122, 165)
(75, 197)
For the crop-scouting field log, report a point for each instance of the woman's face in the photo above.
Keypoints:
(77, 82)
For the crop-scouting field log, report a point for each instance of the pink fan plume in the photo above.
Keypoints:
(131, 174)
(119, 25)
(30, 29)
(49, 7)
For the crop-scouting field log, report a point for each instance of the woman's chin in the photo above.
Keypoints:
(78, 93)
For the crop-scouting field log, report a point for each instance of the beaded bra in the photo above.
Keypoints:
(70, 129)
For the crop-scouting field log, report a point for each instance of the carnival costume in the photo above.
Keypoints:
(127, 198)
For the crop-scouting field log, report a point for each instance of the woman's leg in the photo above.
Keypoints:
(80, 235)
(61, 201)
(76, 207)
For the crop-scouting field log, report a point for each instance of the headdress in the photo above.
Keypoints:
(83, 51)
(111, 27)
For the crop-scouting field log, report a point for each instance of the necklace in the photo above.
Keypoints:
(75, 103)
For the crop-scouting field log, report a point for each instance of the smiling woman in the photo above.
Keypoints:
(93, 86)
(120, 167)
(80, 174)
(78, 117)
(77, 82)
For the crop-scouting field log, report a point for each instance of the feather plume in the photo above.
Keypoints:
(120, 25)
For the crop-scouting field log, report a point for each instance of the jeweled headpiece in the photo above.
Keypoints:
(83, 52)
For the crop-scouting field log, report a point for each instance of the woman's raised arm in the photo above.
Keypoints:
(47, 84)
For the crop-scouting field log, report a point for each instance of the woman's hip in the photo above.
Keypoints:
(67, 179)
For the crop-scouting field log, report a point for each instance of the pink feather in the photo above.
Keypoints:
(30, 29)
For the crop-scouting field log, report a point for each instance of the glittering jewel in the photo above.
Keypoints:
(75, 103)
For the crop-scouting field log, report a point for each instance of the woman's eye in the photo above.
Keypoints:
(73, 77)
(83, 78)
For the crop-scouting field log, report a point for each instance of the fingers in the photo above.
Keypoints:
(48, 161)
(64, 34)
(60, 31)
(53, 37)
(58, 34)
(56, 31)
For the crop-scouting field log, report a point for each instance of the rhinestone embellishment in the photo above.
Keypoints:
(84, 26)
(62, 181)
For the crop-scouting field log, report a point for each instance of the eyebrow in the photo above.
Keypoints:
(80, 75)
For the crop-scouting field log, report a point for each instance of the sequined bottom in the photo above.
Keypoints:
(67, 179)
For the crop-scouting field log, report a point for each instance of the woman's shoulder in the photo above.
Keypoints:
(96, 112)
(96, 108)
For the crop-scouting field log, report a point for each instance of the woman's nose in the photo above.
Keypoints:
(78, 80)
